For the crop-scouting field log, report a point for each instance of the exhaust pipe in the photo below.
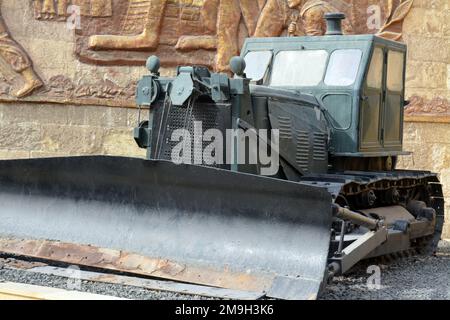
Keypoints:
(334, 24)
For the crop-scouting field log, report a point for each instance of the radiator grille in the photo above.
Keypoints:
(302, 151)
(211, 116)
(285, 125)
(320, 146)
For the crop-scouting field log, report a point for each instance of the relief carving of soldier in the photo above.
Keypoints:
(153, 12)
(312, 12)
(46, 9)
(277, 16)
(230, 13)
(267, 18)
(221, 21)
(222, 18)
(57, 9)
(15, 56)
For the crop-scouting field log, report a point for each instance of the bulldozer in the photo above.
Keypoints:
(304, 187)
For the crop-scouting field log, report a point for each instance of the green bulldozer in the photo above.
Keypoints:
(265, 184)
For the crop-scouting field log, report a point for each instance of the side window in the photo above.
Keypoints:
(257, 64)
(395, 71)
(375, 75)
(343, 67)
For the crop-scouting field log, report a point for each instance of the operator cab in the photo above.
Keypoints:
(358, 79)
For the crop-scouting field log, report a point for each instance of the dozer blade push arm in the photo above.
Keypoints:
(356, 218)
(357, 251)
(344, 259)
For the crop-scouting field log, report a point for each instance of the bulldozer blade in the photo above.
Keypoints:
(185, 223)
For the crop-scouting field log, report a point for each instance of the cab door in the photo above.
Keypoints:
(393, 104)
(371, 108)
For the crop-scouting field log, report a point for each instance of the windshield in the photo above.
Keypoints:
(308, 67)
(257, 64)
(299, 68)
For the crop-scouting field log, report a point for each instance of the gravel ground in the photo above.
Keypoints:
(415, 278)
(406, 279)
(423, 278)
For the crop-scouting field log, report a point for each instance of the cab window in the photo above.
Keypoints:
(257, 63)
(395, 68)
(343, 67)
(375, 75)
(299, 68)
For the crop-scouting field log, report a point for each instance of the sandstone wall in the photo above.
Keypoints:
(29, 130)
(87, 123)
(426, 30)
(430, 144)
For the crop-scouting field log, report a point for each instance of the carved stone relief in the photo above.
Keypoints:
(420, 106)
(210, 32)
(203, 32)
(58, 9)
(61, 86)
(17, 60)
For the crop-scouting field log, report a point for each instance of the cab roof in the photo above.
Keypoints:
(325, 42)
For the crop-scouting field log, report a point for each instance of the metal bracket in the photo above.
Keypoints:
(359, 249)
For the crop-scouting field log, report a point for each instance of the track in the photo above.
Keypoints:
(352, 189)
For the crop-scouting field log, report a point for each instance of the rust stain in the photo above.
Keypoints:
(86, 255)
(108, 278)
(20, 264)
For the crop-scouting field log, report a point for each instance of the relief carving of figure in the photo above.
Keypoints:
(148, 12)
(46, 9)
(15, 56)
(267, 18)
(223, 17)
(57, 9)
(309, 19)
(178, 30)
(229, 17)
(220, 17)
(312, 12)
